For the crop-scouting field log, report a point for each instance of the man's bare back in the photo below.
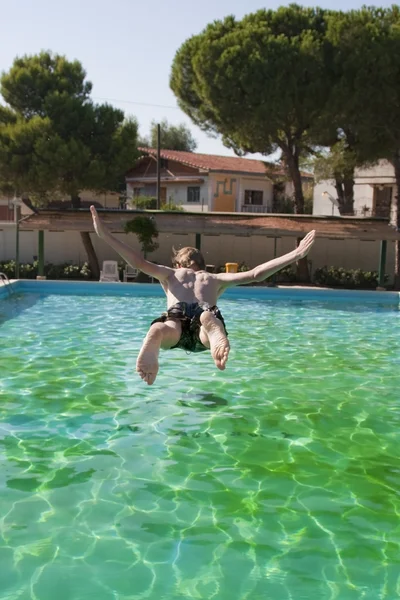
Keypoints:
(187, 285)
(192, 295)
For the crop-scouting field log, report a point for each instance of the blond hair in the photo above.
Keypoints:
(187, 257)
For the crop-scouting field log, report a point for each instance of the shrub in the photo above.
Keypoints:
(145, 202)
(349, 278)
(76, 272)
(150, 203)
(145, 229)
(8, 268)
(286, 275)
(30, 270)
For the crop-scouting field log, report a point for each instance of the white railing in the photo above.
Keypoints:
(255, 208)
(6, 282)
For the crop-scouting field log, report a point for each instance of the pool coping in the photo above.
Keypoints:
(67, 287)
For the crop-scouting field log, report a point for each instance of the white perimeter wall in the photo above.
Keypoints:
(63, 247)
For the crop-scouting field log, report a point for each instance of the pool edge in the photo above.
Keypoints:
(66, 287)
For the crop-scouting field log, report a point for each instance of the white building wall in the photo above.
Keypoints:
(61, 247)
(179, 193)
(364, 182)
(321, 203)
(382, 169)
(363, 197)
(257, 184)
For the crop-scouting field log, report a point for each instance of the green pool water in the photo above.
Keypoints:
(276, 479)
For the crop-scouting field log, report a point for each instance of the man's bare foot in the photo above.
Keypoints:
(219, 345)
(147, 361)
(160, 335)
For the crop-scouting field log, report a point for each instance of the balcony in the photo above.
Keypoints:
(255, 208)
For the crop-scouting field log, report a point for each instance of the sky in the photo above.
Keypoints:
(125, 46)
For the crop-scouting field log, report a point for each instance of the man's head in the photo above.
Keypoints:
(189, 258)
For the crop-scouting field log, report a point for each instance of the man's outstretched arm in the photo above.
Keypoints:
(132, 257)
(262, 272)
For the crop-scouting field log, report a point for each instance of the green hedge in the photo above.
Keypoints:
(326, 276)
(347, 278)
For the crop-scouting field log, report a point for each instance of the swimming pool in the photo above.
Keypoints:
(278, 478)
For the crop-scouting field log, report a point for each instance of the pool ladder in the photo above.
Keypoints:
(6, 282)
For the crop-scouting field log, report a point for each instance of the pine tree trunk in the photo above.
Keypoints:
(91, 254)
(87, 242)
(395, 220)
(345, 193)
(348, 204)
(339, 191)
(292, 161)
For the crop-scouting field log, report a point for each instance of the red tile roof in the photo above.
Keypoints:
(212, 162)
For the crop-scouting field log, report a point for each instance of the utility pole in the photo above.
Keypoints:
(158, 167)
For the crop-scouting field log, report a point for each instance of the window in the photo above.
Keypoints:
(253, 197)
(382, 201)
(193, 194)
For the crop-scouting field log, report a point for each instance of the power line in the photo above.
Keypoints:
(137, 103)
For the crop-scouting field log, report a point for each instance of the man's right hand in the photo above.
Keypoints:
(305, 245)
(99, 227)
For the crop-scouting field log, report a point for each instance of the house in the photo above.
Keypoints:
(195, 182)
(374, 188)
(206, 182)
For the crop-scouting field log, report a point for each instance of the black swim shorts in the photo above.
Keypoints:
(189, 315)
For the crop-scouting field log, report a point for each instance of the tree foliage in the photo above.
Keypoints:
(35, 84)
(356, 49)
(259, 82)
(146, 230)
(173, 137)
(365, 97)
(53, 138)
(297, 79)
(338, 164)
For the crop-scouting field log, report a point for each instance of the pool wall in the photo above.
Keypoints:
(93, 288)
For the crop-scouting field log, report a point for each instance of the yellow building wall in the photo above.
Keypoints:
(224, 193)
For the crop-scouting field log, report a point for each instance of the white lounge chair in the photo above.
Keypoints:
(110, 271)
(130, 273)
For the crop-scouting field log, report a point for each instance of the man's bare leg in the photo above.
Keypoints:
(160, 335)
(213, 336)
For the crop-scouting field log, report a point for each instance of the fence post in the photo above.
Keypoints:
(382, 264)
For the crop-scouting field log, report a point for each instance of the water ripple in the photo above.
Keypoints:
(277, 478)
